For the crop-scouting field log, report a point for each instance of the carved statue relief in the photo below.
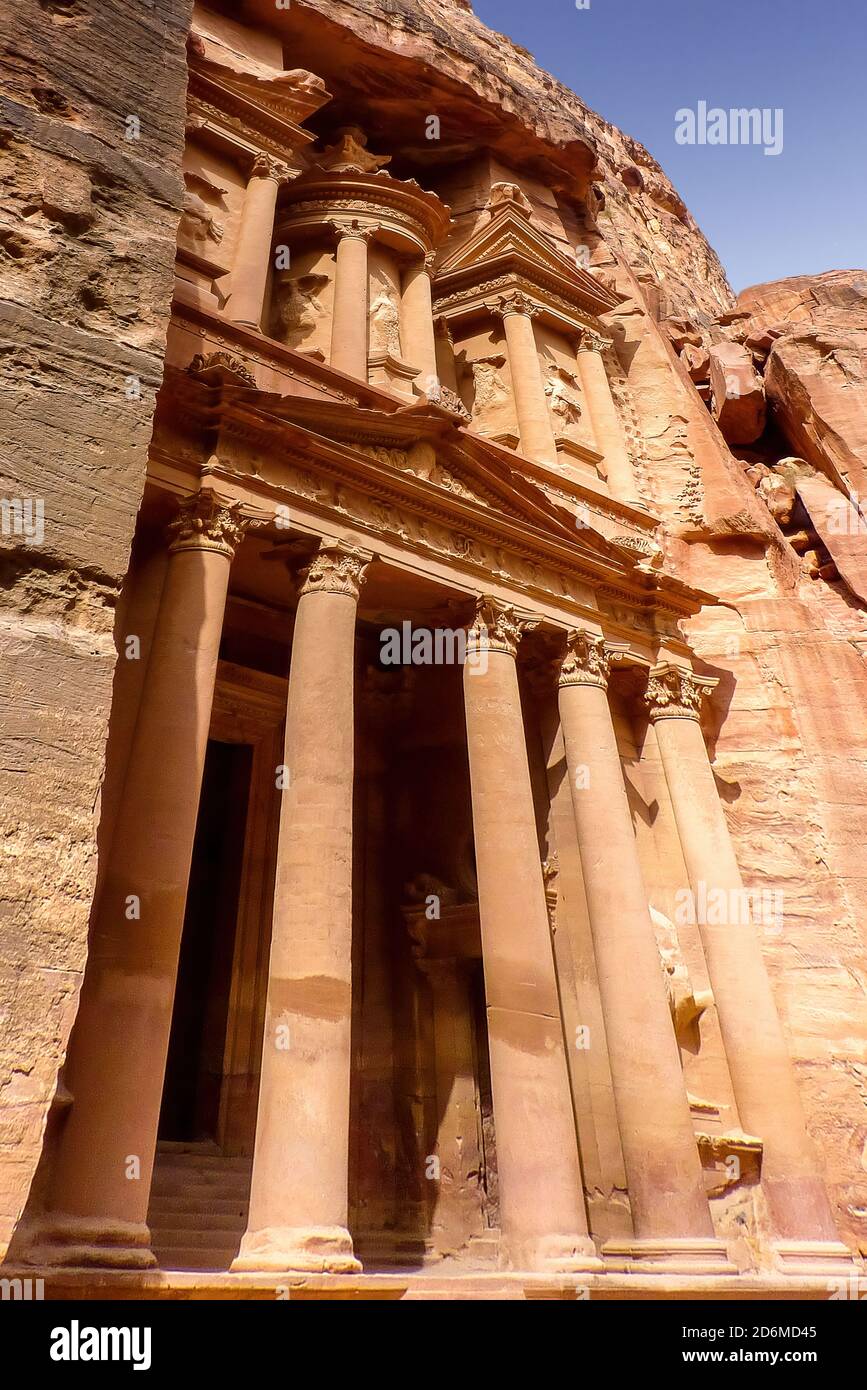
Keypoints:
(198, 221)
(564, 397)
(298, 307)
(686, 1004)
(491, 395)
(385, 322)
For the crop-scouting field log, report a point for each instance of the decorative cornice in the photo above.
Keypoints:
(223, 367)
(675, 692)
(337, 568)
(206, 521)
(588, 659)
(497, 627)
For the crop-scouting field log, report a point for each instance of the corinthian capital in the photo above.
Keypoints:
(497, 627)
(265, 166)
(206, 521)
(353, 228)
(514, 303)
(675, 692)
(588, 658)
(337, 568)
(591, 341)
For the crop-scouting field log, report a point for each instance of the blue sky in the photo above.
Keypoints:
(637, 62)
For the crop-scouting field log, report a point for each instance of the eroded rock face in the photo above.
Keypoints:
(737, 398)
(87, 236)
(816, 372)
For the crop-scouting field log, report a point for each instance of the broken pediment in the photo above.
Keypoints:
(508, 241)
(218, 54)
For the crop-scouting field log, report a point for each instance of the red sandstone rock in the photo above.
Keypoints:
(816, 373)
(696, 360)
(738, 403)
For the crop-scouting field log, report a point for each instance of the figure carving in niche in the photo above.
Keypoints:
(489, 388)
(385, 324)
(198, 222)
(564, 397)
(298, 307)
(686, 1005)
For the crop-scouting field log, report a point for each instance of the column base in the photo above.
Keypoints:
(297, 1250)
(551, 1255)
(704, 1255)
(823, 1257)
(87, 1241)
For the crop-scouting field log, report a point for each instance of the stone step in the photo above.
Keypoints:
(202, 1163)
(215, 1183)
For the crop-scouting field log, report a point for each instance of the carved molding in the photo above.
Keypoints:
(224, 366)
(675, 692)
(337, 568)
(497, 627)
(206, 521)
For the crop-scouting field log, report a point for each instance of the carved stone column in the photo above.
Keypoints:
(762, 1073)
(543, 1220)
(607, 428)
(351, 295)
(416, 322)
(256, 233)
(298, 1201)
(102, 1172)
(531, 405)
(670, 1212)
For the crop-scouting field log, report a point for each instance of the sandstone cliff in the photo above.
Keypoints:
(91, 194)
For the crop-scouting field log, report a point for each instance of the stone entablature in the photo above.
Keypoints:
(336, 201)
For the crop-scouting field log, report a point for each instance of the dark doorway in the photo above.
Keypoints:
(194, 1072)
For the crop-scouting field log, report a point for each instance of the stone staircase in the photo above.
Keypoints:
(198, 1206)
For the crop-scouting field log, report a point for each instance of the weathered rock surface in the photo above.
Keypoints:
(88, 221)
(737, 398)
(816, 372)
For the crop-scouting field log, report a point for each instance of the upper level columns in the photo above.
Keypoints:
(670, 1212)
(101, 1182)
(299, 1196)
(416, 323)
(761, 1068)
(351, 294)
(607, 428)
(528, 388)
(543, 1219)
(255, 237)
